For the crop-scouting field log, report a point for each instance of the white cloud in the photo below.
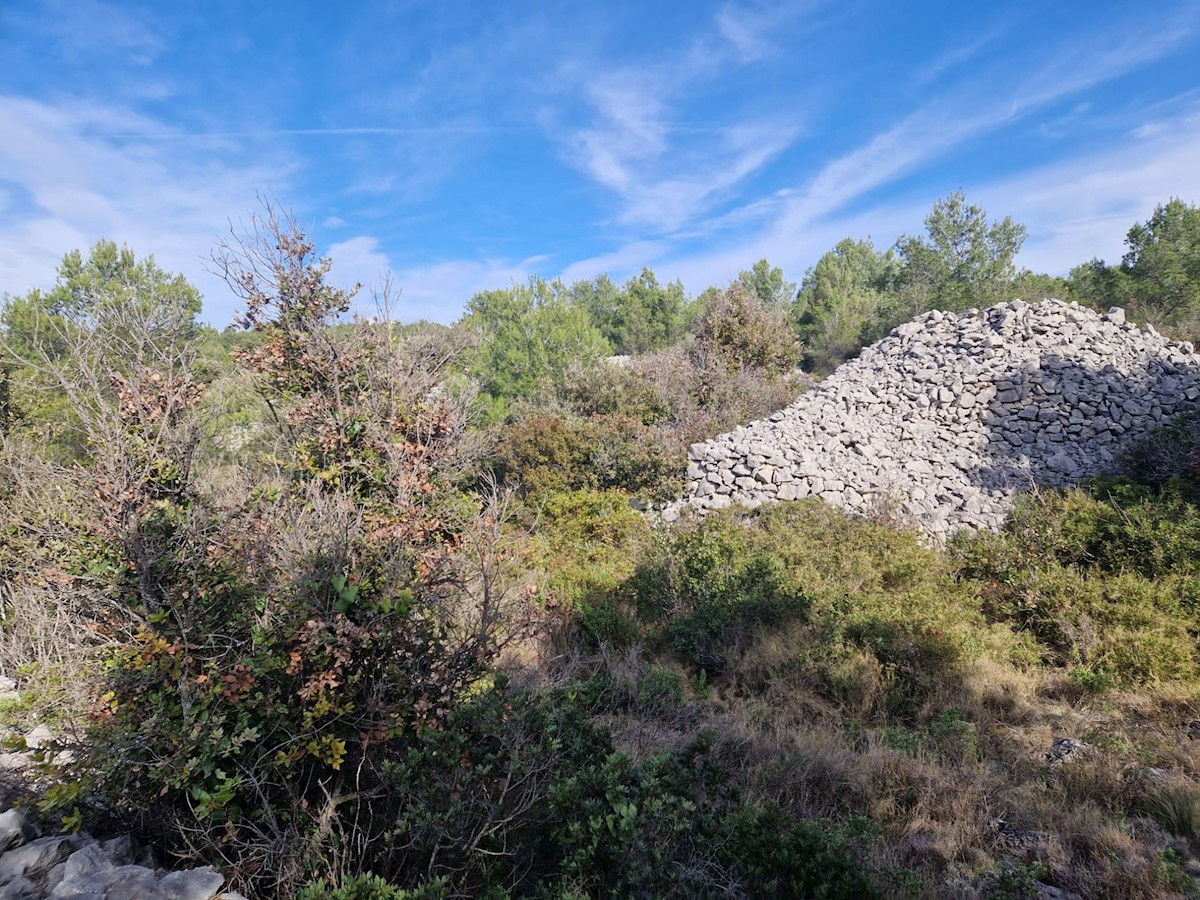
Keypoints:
(626, 260)
(630, 130)
(92, 25)
(81, 185)
(672, 201)
(1083, 207)
(358, 260)
(439, 291)
(664, 171)
(947, 122)
(1077, 208)
(661, 173)
(955, 56)
(751, 43)
(752, 28)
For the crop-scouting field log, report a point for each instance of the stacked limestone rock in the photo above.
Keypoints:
(952, 414)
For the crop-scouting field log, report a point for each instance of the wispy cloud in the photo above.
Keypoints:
(625, 260)
(664, 168)
(95, 26)
(630, 128)
(76, 187)
(949, 121)
(958, 55)
(1083, 206)
(439, 290)
(727, 159)
(753, 29)
(353, 131)
(1078, 207)
(358, 261)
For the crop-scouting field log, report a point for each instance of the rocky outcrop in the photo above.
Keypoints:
(77, 865)
(951, 415)
(34, 865)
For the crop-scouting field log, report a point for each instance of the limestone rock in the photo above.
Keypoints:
(20, 888)
(39, 737)
(191, 884)
(1067, 750)
(15, 829)
(37, 857)
(954, 414)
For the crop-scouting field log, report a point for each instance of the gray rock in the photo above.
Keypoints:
(20, 888)
(15, 829)
(39, 737)
(1067, 750)
(948, 405)
(37, 857)
(1050, 892)
(122, 883)
(192, 884)
(1060, 462)
(84, 863)
(14, 762)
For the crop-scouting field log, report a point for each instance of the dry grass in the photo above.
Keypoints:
(966, 799)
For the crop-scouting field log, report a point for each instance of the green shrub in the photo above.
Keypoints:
(587, 543)
(544, 453)
(872, 618)
(1105, 578)
(372, 887)
(613, 390)
(675, 827)
(608, 622)
(473, 801)
(744, 331)
(660, 689)
(270, 653)
(777, 856)
(712, 593)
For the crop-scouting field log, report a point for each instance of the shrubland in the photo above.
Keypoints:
(355, 609)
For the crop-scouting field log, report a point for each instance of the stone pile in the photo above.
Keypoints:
(951, 415)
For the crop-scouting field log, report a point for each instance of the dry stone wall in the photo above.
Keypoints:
(951, 415)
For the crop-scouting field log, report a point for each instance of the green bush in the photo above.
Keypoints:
(473, 801)
(871, 617)
(607, 621)
(674, 827)
(743, 331)
(268, 653)
(371, 887)
(712, 593)
(1105, 578)
(587, 543)
(608, 389)
(546, 452)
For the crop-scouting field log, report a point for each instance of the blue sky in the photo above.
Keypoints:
(464, 145)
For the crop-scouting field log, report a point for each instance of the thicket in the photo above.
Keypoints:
(293, 650)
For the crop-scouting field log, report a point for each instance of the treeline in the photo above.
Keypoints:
(854, 295)
(529, 335)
